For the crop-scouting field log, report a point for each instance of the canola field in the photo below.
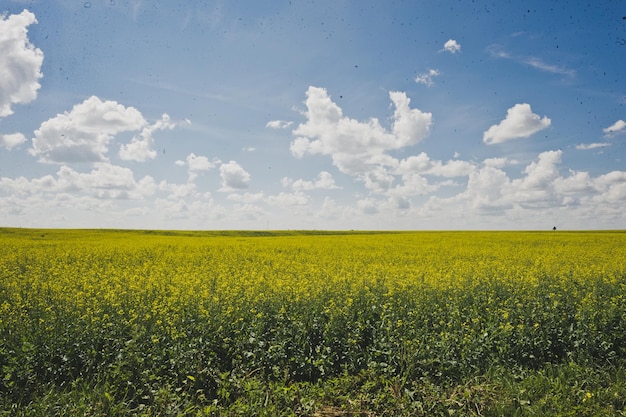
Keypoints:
(108, 322)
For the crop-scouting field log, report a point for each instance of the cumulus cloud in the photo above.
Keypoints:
(410, 126)
(360, 149)
(356, 147)
(422, 164)
(200, 163)
(520, 122)
(423, 180)
(452, 168)
(140, 148)
(178, 191)
(540, 174)
(12, 140)
(288, 199)
(20, 66)
(324, 181)
(616, 128)
(490, 191)
(105, 181)
(499, 162)
(427, 78)
(234, 177)
(451, 46)
(247, 198)
(413, 184)
(415, 163)
(197, 163)
(368, 205)
(83, 134)
(486, 188)
(540, 189)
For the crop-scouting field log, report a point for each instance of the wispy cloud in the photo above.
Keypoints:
(497, 51)
(588, 146)
(554, 69)
(278, 124)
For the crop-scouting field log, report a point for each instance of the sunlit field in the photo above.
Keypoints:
(104, 323)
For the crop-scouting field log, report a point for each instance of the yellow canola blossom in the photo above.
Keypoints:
(360, 299)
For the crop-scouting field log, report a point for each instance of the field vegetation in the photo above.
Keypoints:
(156, 323)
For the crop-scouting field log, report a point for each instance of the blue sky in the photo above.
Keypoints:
(313, 114)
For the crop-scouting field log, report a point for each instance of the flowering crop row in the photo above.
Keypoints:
(140, 312)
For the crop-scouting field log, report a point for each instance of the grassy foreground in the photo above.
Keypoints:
(121, 323)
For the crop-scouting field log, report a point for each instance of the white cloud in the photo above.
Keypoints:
(451, 46)
(410, 126)
(540, 174)
(490, 190)
(197, 163)
(378, 179)
(450, 169)
(498, 52)
(553, 69)
(419, 163)
(587, 146)
(426, 78)
(12, 140)
(368, 206)
(278, 124)
(178, 191)
(499, 162)
(486, 188)
(83, 134)
(195, 210)
(288, 199)
(247, 198)
(200, 163)
(413, 184)
(324, 181)
(140, 148)
(577, 182)
(105, 181)
(520, 122)
(20, 65)
(357, 147)
(360, 149)
(616, 128)
(414, 170)
(536, 196)
(234, 177)
(422, 164)
(397, 197)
